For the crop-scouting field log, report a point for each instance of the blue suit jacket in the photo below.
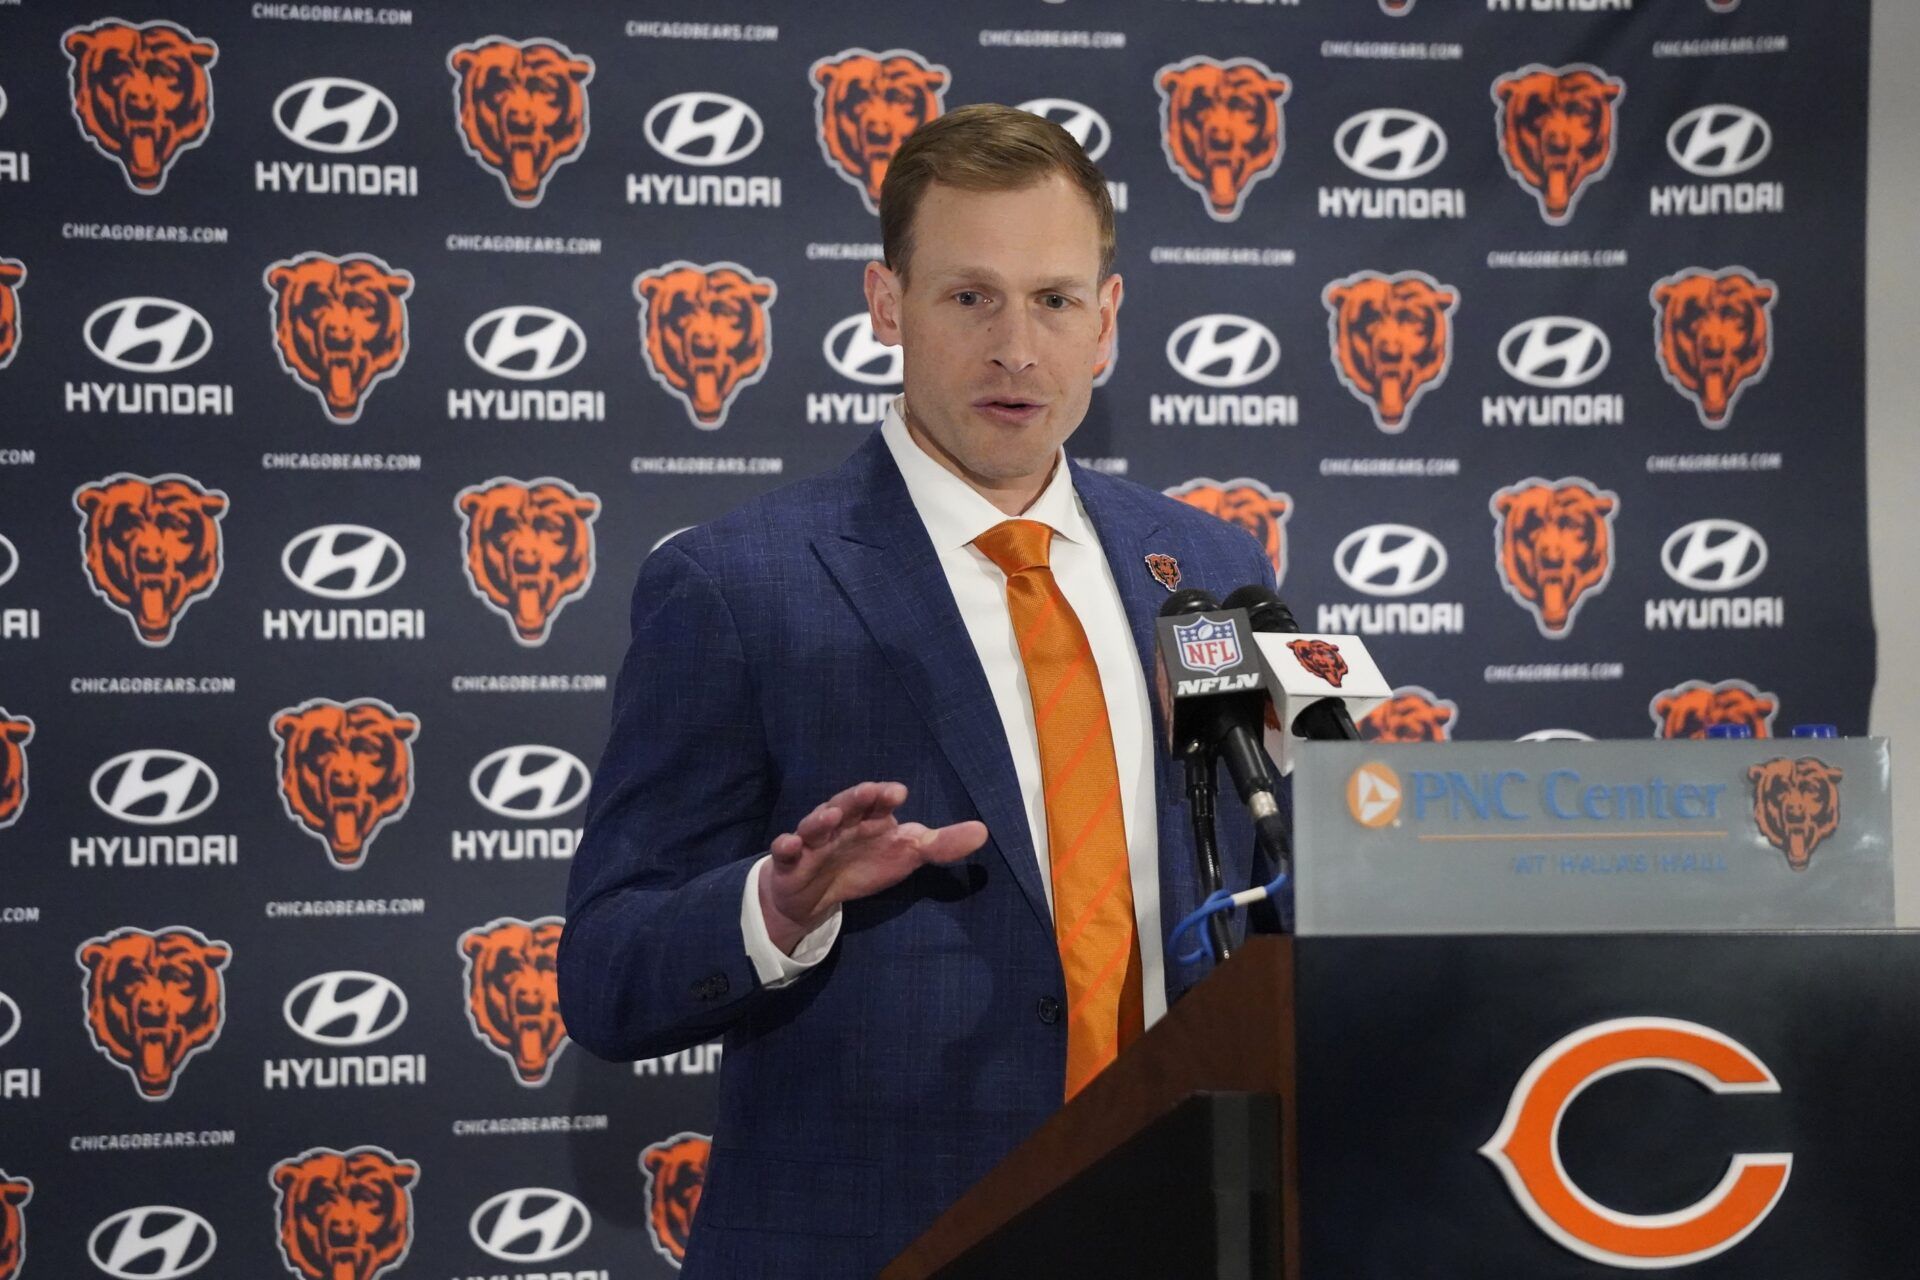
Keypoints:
(802, 643)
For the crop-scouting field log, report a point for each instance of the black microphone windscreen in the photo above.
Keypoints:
(1190, 600)
(1265, 609)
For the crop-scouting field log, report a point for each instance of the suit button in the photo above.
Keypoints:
(1049, 1010)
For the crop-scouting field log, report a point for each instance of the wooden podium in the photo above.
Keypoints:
(1325, 1107)
(1182, 1149)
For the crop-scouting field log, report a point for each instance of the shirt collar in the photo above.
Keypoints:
(954, 512)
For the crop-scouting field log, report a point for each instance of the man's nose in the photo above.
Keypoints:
(1012, 341)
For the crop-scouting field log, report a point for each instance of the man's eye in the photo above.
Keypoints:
(1060, 298)
(966, 297)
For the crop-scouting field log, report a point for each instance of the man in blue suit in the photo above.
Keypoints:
(829, 824)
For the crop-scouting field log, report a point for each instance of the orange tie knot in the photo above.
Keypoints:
(1017, 545)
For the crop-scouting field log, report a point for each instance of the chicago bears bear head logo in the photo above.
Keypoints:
(1321, 659)
(675, 1170)
(1221, 127)
(865, 104)
(14, 1192)
(1165, 569)
(12, 273)
(346, 771)
(1714, 335)
(344, 1215)
(141, 94)
(513, 993)
(1248, 503)
(1392, 339)
(522, 109)
(15, 733)
(153, 1000)
(339, 325)
(1412, 714)
(151, 546)
(1689, 710)
(1796, 805)
(529, 548)
(1555, 126)
(1554, 540)
(705, 333)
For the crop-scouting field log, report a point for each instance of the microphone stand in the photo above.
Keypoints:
(1200, 793)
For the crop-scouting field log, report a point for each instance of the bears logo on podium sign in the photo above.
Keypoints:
(1796, 805)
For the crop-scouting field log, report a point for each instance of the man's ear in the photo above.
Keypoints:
(884, 291)
(1112, 290)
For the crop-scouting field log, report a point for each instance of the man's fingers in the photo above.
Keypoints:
(819, 826)
(952, 843)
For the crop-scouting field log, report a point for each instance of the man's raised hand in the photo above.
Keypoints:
(848, 848)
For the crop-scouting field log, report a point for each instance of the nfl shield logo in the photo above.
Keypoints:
(1209, 646)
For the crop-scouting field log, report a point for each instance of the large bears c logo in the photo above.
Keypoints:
(1392, 339)
(521, 107)
(344, 1215)
(1221, 127)
(151, 546)
(141, 94)
(513, 992)
(339, 325)
(865, 104)
(153, 1000)
(1713, 332)
(346, 771)
(529, 548)
(1556, 128)
(1554, 543)
(705, 333)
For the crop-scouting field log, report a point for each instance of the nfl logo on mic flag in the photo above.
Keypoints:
(1206, 645)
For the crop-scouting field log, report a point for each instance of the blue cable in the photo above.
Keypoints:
(1218, 900)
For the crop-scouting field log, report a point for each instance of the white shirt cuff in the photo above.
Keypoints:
(774, 966)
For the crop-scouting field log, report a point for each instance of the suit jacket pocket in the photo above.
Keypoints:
(759, 1191)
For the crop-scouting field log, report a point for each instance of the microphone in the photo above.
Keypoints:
(1217, 687)
(1319, 681)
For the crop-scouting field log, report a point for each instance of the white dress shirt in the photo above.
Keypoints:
(955, 514)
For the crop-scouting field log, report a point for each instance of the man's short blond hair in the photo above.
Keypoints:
(985, 147)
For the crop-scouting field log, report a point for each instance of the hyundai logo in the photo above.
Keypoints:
(855, 353)
(1223, 351)
(1714, 555)
(345, 1008)
(154, 787)
(1088, 127)
(9, 560)
(531, 1224)
(1555, 352)
(9, 1018)
(343, 561)
(1389, 144)
(529, 782)
(148, 335)
(529, 344)
(1390, 560)
(707, 129)
(1719, 141)
(334, 115)
(153, 1242)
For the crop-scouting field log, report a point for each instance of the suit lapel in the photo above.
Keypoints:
(1129, 532)
(885, 563)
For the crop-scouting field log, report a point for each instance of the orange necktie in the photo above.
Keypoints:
(1086, 835)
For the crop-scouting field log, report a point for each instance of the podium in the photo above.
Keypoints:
(1720, 1101)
